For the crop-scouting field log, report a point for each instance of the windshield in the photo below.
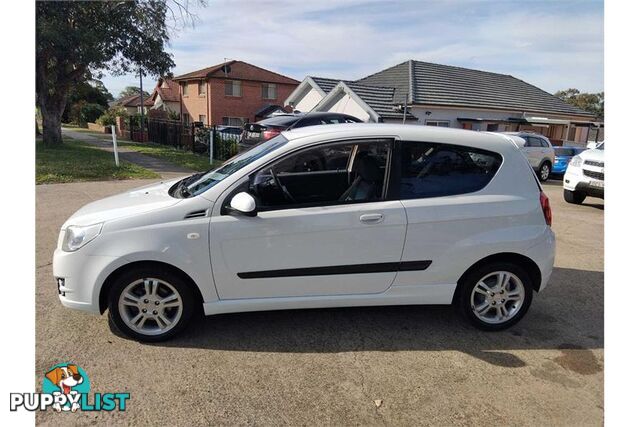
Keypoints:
(214, 176)
(600, 147)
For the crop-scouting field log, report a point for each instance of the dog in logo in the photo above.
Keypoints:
(65, 377)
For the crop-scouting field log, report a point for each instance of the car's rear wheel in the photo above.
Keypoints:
(574, 197)
(150, 304)
(495, 296)
(544, 172)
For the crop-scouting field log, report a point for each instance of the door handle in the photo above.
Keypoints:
(371, 218)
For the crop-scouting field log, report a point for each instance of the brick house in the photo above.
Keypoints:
(231, 93)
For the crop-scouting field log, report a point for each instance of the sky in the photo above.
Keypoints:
(552, 44)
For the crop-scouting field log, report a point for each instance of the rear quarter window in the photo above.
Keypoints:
(437, 170)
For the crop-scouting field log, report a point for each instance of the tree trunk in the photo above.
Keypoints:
(51, 108)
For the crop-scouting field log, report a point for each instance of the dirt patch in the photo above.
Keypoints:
(577, 359)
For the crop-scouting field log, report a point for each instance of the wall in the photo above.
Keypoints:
(309, 100)
(246, 105)
(194, 104)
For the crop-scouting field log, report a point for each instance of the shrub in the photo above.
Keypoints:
(109, 116)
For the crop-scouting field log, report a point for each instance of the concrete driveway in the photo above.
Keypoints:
(329, 366)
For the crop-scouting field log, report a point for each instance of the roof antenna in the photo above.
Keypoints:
(225, 66)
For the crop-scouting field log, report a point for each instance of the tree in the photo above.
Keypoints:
(591, 102)
(133, 90)
(84, 93)
(76, 41)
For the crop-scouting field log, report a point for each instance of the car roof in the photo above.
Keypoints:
(492, 141)
(290, 118)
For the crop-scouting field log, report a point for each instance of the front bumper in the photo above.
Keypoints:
(575, 180)
(79, 278)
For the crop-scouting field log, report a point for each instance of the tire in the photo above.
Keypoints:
(518, 280)
(574, 197)
(162, 320)
(544, 172)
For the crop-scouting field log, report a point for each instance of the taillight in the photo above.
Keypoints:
(270, 133)
(546, 208)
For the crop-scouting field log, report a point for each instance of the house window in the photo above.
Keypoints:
(232, 88)
(185, 88)
(492, 127)
(268, 91)
(439, 123)
(202, 87)
(233, 121)
(202, 118)
(185, 118)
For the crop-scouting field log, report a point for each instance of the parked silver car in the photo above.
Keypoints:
(539, 151)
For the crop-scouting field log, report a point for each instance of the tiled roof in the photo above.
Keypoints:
(325, 84)
(238, 70)
(380, 99)
(435, 84)
(170, 93)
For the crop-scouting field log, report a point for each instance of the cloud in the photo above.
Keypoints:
(553, 45)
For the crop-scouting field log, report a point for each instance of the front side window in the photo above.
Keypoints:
(233, 88)
(268, 91)
(333, 174)
(436, 170)
(202, 182)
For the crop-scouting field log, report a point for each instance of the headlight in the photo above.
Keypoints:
(76, 237)
(576, 161)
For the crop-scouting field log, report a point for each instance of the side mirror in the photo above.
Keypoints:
(243, 204)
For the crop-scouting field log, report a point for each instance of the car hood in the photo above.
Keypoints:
(134, 202)
(593, 154)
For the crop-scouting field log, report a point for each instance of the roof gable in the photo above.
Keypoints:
(238, 70)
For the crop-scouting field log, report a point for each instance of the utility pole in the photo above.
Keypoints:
(141, 109)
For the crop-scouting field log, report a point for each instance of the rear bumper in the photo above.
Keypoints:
(543, 254)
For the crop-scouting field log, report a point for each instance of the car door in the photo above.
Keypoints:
(533, 150)
(321, 245)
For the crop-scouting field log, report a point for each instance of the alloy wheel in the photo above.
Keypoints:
(150, 306)
(544, 172)
(497, 297)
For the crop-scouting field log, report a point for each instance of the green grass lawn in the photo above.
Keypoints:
(76, 161)
(176, 156)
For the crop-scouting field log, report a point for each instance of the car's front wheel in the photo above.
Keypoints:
(495, 296)
(574, 197)
(150, 304)
(544, 172)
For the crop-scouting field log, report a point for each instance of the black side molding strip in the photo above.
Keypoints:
(385, 267)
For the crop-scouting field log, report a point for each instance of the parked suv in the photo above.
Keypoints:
(255, 133)
(539, 152)
(585, 176)
(322, 216)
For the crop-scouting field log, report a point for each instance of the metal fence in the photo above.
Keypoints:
(193, 137)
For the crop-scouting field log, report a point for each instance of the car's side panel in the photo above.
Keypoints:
(261, 256)
(456, 232)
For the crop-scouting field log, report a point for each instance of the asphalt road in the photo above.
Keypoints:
(330, 366)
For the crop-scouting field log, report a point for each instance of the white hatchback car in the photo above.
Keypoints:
(327, 216)
(538, 151)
